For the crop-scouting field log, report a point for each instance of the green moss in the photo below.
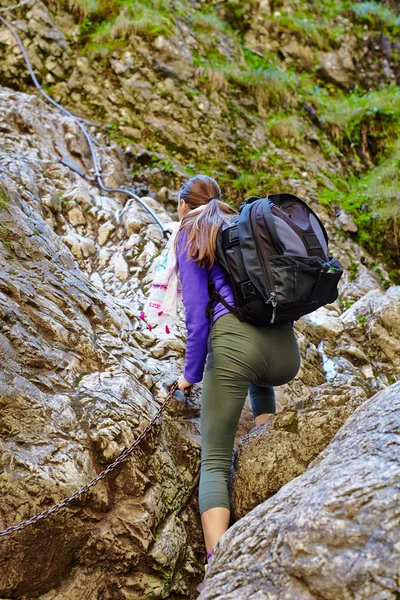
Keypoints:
(361, 319)
(4, 199)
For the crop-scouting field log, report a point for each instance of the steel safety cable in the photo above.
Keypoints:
(97, 170)
(15, 6)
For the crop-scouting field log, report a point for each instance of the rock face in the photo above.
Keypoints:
(81, 377)
(332, 532)
(277, 452)
(77, 385)
(81, 374)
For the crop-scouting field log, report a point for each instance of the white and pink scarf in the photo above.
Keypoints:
(165, 296)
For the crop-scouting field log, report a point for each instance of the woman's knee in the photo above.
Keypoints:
(213, 487)
(286, 368)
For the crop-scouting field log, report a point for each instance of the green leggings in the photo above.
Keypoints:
(240, 355)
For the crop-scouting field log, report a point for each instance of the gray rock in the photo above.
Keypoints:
(335, 69)
(79, 383)
(331, 533)
(278, 451)
(346, 222)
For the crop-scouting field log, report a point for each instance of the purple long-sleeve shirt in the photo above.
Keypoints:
(194, 281)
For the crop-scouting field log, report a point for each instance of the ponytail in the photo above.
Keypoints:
(201, 224)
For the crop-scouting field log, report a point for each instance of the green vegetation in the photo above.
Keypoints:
(107, 24)
(357, 128)
(164, 164)
(345, 304)
(361, 319)
(374, 201)
(377, 15)
(270, 84)
(311, 31)
(4, 199)
(349, 118)
(207, 22)
(5, 236)
(150, 18)
(368, 125)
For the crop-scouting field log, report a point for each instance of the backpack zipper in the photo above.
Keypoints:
(266, 266)
(272, 300)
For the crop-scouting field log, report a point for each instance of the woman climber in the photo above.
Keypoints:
(241, 358)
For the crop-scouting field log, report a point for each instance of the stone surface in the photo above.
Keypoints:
(330, 533)
(346, 222)
(278, 451)
(80, 379)
(334, 69)
(81, 376)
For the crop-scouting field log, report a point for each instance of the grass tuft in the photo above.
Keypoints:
(207, 23)
(285, 130)
(215, 78)
(144, 17)
(364, 121)
(269, 84)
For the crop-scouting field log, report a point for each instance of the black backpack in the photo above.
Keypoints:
(275, 255)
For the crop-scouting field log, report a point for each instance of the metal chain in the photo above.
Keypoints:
(57, 507)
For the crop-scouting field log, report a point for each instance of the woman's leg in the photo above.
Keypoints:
(281, 364)
(225, 387)
(240, 354)
(215, 521)
(262, 400)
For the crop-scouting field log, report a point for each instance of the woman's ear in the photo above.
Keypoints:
(183, 208)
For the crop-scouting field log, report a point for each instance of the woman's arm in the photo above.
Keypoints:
(194, 281)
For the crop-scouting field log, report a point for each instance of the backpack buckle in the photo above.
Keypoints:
(247, 289)
(233, 234)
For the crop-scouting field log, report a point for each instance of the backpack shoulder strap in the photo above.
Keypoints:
(214, 297)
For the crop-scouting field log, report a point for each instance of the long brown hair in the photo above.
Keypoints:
(201, 228)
